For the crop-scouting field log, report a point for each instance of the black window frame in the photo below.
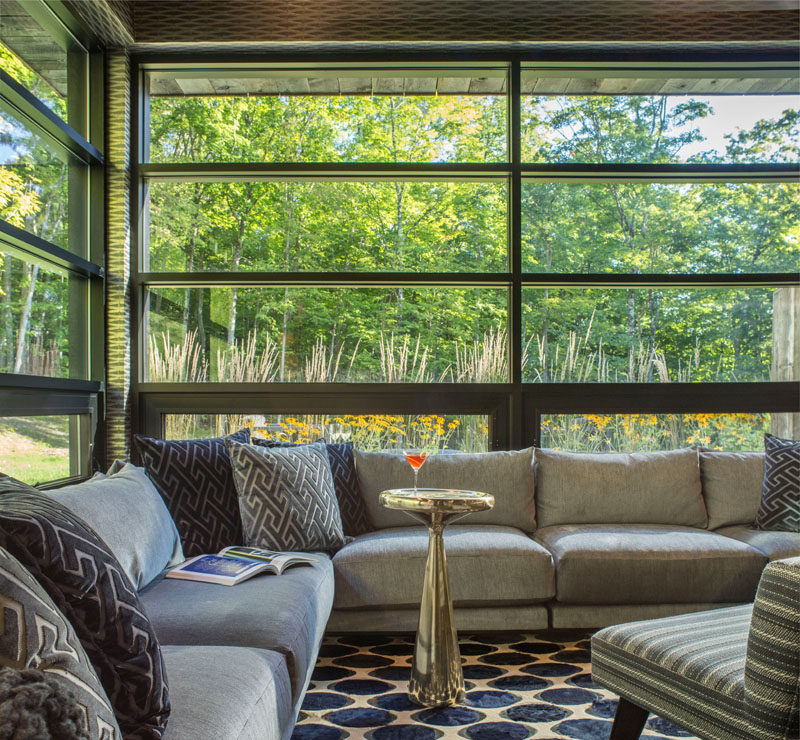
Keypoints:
(79, 398)
(514, 408)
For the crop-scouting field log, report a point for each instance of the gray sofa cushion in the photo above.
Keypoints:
(486, 564)
(619, 488)
(227, 693)
(641, 564)
(774, 544)
(285, 613)
(731, 486)
(508, 476)
(126, 510)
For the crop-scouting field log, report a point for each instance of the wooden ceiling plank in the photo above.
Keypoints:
(387, 85)
(419, 85)
(324, 85)
(194, 86)
(452, 85)
(355, 85)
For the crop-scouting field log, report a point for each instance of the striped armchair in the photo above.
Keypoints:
(725, 674)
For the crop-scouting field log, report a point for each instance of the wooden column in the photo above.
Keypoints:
(786, 353)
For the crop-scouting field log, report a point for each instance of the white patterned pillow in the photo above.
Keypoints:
(286, 497)
(37, 635)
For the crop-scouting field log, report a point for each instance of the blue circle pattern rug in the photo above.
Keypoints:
(537, 685)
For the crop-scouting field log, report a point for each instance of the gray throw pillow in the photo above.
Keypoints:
(36, 635)
(128, 513)
(286, 497)
(780, 495)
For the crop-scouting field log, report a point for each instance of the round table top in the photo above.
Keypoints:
(442, 500)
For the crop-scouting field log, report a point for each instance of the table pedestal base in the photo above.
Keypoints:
(436, 675)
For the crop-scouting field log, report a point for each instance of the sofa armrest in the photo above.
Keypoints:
(772, 665)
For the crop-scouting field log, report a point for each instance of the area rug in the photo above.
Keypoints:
(535, 685)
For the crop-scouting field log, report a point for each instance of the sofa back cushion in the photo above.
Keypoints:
(619, 488)
(508, 476)
(127, 512)
(731, 486)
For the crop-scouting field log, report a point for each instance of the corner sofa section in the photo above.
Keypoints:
(238, 659)
(574, 540)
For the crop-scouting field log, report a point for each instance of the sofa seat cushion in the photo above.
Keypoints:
(486, 564)
(688, 668)
(650, 564)
(227, 693)
(774, 544)
(285, 613)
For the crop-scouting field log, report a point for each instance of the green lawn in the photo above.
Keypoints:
(35, 449)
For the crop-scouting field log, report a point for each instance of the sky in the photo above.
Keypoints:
(732, 112)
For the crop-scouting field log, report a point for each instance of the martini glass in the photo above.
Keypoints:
(416, 459)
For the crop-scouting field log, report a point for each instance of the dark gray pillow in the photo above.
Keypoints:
(37, 635)
(193, 477)
(286, 497)
(93, 592)
(780, 495)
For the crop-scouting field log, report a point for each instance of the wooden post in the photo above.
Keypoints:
(786, 353)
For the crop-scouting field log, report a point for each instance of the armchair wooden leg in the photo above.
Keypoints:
(629, 721)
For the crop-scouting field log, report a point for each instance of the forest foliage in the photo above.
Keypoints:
(435, 333)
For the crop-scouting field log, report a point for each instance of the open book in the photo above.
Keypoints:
(233, 565)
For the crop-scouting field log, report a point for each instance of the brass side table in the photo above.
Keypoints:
(436, 675)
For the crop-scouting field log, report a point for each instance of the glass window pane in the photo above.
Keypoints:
(348, 115)
(35, 185)
(30, 55)
(649, 119)
(649, 432)
(395, 335)
(328, 226)
(639, 335)
(465, 433)
(36, 449)
(660, 228)
(42, 320)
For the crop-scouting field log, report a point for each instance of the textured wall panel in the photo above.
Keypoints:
(156, 21)
(110, 21)
(118, 250)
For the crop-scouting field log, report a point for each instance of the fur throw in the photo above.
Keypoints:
(36, 706)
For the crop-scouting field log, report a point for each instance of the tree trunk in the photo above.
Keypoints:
(24, 319)
(192, 247)
(651, 345)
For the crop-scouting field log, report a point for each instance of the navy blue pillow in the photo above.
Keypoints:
(780, 493)
(345, 484)
(195, 479)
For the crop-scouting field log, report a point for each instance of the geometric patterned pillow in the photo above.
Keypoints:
(286, 497)
(194, 478)
(780, 495)
(345, 483)
(91, 589)
(36, 635)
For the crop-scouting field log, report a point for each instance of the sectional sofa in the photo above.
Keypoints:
(573, 540)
